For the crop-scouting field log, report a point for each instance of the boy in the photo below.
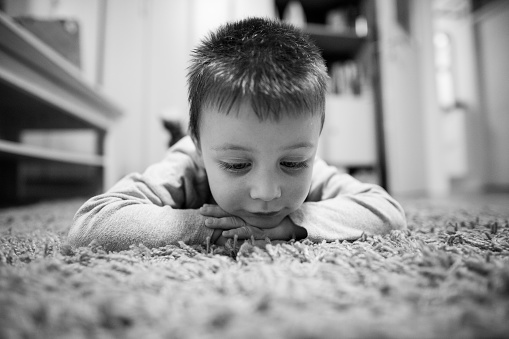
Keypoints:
(249, 167)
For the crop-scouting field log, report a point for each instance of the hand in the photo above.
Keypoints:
(219, 220)
(232, 226)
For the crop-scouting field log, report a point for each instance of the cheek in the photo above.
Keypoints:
(223, 189)
(297, 189)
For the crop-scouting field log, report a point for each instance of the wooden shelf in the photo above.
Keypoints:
(21, 151)
(335, 44)
(29, 66)
(41, 90)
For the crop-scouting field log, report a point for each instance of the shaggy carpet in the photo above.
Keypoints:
(446, 277)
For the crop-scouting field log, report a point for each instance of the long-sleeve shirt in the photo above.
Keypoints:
(160, 206)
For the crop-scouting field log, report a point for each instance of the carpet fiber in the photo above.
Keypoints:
(446, 277)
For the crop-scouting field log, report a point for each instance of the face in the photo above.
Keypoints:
(258, 170)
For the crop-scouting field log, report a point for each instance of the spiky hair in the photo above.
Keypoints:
(270, 63)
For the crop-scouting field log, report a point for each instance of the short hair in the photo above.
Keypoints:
(268, 62)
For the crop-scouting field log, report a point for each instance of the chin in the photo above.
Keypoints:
(263, 222)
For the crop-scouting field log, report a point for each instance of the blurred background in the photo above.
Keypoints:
(91, 90)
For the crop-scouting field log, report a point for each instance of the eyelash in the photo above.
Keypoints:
(233, 167)
(242, 167)
(295, 165)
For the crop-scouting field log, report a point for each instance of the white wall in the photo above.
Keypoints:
(402, 115)
(148, 50)
(437, 179)
(208, 15)
(412, 120)
(492, 28)
(466, 86)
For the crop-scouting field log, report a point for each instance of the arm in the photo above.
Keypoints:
(154, 208)
(340, 207)
(227, 226)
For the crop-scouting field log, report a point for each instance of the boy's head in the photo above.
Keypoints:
(257, 92)
(270, 64)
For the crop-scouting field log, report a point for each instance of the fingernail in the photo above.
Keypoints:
(209, 222)
(226, 233)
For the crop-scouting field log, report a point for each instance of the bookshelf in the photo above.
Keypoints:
(41, 90)
(346, 33)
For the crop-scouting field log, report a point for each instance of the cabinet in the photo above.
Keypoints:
(345, 31)
(42, 92)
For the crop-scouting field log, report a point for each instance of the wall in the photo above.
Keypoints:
(145, 55)
(492, 26)
(412, 119)
(148, 49)
(466, 87)
(437, 180)
(208, 15)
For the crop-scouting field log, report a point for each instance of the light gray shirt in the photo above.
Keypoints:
(160, 206)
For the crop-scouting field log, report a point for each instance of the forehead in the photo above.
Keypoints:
(247, 108)
(242, 126)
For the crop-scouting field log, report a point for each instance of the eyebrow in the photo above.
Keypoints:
(304, 144)
(231, 147)
(234, 147)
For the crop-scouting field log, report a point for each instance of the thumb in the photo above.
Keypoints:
(245, 232)
(279, 233)
(234, 221)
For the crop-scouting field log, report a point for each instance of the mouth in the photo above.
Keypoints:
(264, 214)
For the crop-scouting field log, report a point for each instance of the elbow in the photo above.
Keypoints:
(81, 233)
(398, 220)
(79, 236)
(75, 237)
(392, 218)
(84, 228)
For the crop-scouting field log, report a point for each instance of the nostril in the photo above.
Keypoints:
(265, 193)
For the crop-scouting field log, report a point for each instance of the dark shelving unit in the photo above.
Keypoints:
(41, 90)
(346, 45)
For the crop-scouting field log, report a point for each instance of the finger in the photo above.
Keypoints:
(245, 232)
(285, 231)
(277, 233)
(276, 242)
(213, 211)
(226, 223)
(263, 243)
(221, 241)
(260, 244)
(216, 234)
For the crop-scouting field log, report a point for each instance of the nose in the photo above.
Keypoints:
(265, 187)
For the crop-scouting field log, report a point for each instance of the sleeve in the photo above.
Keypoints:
(339, 207)
(154, 208)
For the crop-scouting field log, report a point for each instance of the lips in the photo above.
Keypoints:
(265, 214)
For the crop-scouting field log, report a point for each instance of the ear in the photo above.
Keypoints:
(197, 145)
